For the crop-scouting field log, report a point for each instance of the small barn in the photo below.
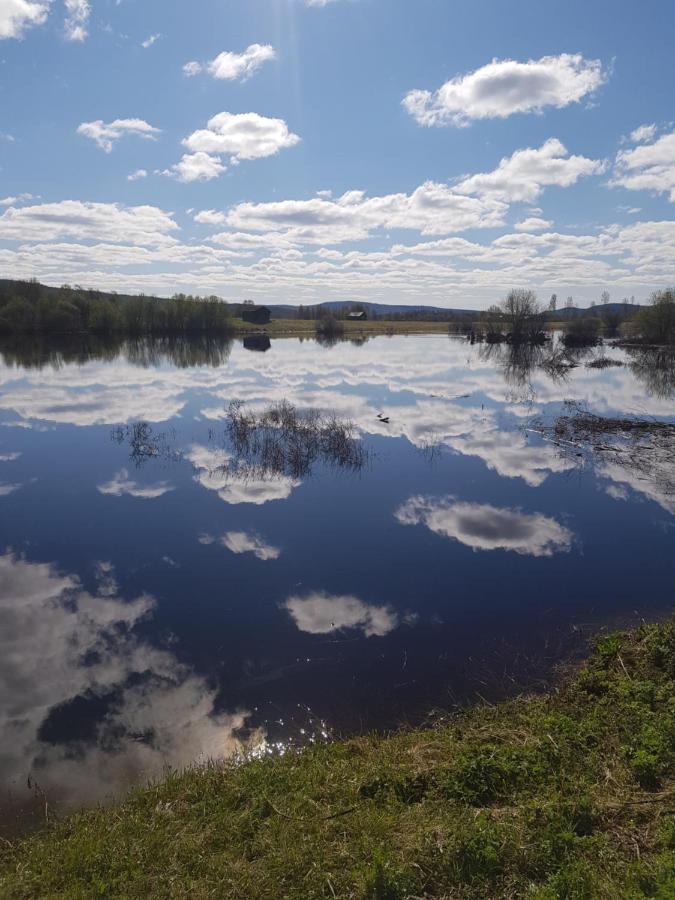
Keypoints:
(357, 316)
(256, 315)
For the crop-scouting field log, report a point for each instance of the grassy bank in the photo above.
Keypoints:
(567, 795)
(307, 328)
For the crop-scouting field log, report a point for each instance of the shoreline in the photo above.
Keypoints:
(568, 793)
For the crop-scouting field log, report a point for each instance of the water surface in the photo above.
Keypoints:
(159, 606)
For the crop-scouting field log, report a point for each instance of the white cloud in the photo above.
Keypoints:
(121, 484)
(321, 613)
(17, 15)
(106, 134)
(241, 136)
(137, 175)
(240, 66)
(145, 225)
(485, 527)
(20, 198)
(431, 209)
(643, 133)
(533, 223)
(149, 41)
(477, 201)
(249, 542)
(192, 68)
(196, 167)
(238, 137)
(523, 175)
(9, 457)
(210, 217)
(78, 12)
(649, 167)
(505, 87)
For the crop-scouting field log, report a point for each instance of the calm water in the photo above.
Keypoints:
(159, 609)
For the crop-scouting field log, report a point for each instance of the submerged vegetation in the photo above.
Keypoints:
(565, 795)
(285, 440)
(644, 448)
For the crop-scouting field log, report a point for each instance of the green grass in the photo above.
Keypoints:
(565, 795)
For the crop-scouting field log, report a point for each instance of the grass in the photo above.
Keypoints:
(565, 795)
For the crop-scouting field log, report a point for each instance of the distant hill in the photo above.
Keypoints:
(623, 309)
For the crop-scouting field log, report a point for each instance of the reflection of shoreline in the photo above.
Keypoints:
(38, 351)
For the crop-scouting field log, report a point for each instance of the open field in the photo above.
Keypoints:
(565, 795)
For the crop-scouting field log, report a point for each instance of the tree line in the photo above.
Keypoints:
(29, 307)
(520, 318)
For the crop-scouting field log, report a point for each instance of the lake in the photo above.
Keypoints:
(160, 604)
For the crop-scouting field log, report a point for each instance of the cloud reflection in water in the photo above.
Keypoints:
(321, 613)
(486, 527)
(59, 643)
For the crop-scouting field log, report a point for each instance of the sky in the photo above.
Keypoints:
(298, 151)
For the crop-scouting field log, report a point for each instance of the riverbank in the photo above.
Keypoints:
(368, 328)
(569, 794)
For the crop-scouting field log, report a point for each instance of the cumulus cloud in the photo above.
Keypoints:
(137, 175)
(106, 134)
(229, 66)
(17, 15)
(643, 133)
(196, 167)
(78, 12)
(649, 167)
(149, 41)
(485, 527)
(431, 209)
(241, 136)
(20, 198)
(121, 484)
(321, 613)
(533, 223)
(478, 201)
(192, 68)
(505, 87)
(145, 225)
(523, 175)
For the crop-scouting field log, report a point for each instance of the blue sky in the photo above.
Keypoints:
(298, 151)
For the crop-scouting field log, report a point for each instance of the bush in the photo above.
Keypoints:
(656, 324)
(583, 331)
